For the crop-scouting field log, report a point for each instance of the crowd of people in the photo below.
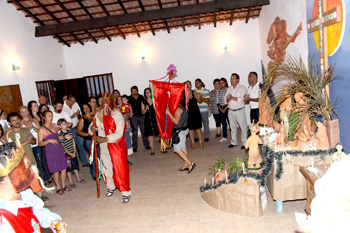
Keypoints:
(54, 137)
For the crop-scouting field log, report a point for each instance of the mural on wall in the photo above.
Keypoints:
(327, 28)
(331, 14)
(279, 40)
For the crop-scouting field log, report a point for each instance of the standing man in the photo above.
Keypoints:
(236, 114)
(71, 107)
(203, 107)
(114, 163)
(138, 120)
(57, 113)
(253, 96)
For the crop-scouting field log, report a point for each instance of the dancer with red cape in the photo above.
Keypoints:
(110, 126)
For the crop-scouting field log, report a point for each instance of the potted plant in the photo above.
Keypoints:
(236, 164)
(218, 169)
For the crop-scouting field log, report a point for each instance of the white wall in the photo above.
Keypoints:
(196, 53)
(293, 12)
(39, 58)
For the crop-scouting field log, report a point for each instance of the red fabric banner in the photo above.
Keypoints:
(165, 96)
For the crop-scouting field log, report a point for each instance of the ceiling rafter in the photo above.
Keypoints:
(122, 6)
(141, 5)
(183, 23)
(167, 26)
(91, 17)
(152, 30)
(22, 8)
(199, 22)
(160, 4)
(214, 20)
(232, 16)
(248, 15)
(159, 14)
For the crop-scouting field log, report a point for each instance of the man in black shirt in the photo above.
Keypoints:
(138, 120)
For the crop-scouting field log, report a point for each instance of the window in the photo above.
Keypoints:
(46, 88)
(98, 84)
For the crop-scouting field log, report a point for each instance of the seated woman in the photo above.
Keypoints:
(180, 125)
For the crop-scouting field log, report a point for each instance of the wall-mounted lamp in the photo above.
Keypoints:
(15, 65)
(143, 54)
(225, 44)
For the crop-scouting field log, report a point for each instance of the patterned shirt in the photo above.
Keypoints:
(213, 103)
(203, 107)
(221, 97)
(68, 144)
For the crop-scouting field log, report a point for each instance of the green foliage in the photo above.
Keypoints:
(293, 124)
(305, 79)
(218, 165)
(236, 164)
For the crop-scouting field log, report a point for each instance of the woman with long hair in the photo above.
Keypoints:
(213, 106)
(34, 110)
(194, 115)
(42, 108)
(180, 119)
(55, 157)
(83, 131)
(33, 126)
(147, 109)
(223, 109)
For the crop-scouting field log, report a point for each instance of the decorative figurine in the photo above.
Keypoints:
(252, 143)
(339, 154)
(321, 136)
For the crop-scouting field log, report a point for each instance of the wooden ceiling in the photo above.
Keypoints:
(81, 21)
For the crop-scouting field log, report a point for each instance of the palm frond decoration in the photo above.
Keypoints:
(305, 79)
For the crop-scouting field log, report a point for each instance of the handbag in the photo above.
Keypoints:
(175, 136)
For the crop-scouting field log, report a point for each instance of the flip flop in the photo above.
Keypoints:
(82, 181)
(73, 185)
(67, 189)
(60, 192)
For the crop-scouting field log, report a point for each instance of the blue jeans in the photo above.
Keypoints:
(87, 148)
(79, 142)
(224, 122)
(41, 163)
(128, 139)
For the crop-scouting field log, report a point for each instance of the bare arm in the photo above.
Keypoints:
(143, 109)
(80, 128)
(176, 117)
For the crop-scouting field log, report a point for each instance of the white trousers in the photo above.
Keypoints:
(238, 117)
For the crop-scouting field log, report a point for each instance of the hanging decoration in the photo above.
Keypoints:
(166, 94)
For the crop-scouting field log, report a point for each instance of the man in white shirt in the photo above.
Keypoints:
(57, 113)
(71, 107)
(252, 98)
(235, 99)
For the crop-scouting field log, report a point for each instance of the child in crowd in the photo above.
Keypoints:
(126, 110)
(70, 149)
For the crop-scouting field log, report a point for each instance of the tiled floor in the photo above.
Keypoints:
(165, 200)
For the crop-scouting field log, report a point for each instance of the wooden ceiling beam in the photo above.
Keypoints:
(122, 6)
(248, 15)
(141, 5)
(232, 16)
(158, 14)
(91, 17)
(178, 3)
(103, 7)
(183, 24)
(167, 26)
(152, 30)
(120, 32)
(160, 4)
(214, 20)
(199, 22)
(135, 29)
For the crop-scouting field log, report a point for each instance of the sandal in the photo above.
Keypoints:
(60, 192)
(67, 189)
(73, 186)
(184, 168)
(82, 181)
(110, 192)
(126, 199)
(193, 166)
